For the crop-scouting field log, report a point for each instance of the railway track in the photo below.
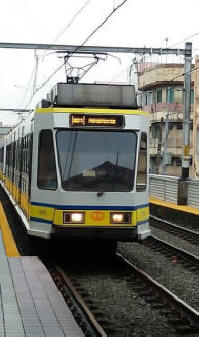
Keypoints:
(184, 317)
(94, 322)
(188, 260)
(81, 312)
(173, 228)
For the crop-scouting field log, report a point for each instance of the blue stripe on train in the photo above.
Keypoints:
(80, 207)
(32, 218)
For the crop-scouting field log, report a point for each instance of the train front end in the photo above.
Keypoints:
(90, 165)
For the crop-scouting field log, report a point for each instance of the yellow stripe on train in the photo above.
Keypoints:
(142, 214)
(92, 218)
(41, 212)
(93, 111)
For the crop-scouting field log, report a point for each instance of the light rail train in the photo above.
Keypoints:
(77, 166)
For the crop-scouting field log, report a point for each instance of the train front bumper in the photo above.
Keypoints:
(119, 234)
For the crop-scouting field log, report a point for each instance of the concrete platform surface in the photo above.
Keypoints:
(30, 303)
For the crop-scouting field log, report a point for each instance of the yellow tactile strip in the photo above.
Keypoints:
(9, 243)
(186, 209)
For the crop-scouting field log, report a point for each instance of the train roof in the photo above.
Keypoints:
(90, 95)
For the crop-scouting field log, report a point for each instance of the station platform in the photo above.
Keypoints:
(170, 211)
(30, 303)
(180, 208)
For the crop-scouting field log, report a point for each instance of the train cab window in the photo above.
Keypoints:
(47, 177)
(97, 160)
(142, 164)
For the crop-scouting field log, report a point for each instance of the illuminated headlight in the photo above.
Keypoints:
(74, 217)
(118, 217)
(121, 218)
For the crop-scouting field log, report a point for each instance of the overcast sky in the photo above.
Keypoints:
(135, 24)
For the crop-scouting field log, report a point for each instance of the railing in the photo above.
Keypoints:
(174, 189)
(193, 193)
(164, 187)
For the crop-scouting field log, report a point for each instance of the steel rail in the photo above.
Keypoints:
(181, 252)
(185, 309)
(172, 226)
(82, 304)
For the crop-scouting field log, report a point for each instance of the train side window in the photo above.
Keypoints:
(1, 154)
(142, 164)
(47, 177)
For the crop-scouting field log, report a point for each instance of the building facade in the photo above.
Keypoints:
(161, 93)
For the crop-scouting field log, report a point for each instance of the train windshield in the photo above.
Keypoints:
(97, 160)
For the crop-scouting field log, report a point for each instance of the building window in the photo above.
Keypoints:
(192, 96)
(144, 99)
(179, 126)
(170, 95)
(159, 96)
(178, 162)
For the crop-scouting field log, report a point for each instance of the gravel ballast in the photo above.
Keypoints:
(122, 306)
(175, 241)
(164, 270)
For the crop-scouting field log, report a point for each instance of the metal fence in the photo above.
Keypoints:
(171, 189)
(193, 193)
(164, 187)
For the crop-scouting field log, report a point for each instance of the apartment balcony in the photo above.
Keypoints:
(158, 111)
(174, 151)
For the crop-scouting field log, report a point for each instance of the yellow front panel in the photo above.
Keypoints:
(41, 212)
(142, 214)
(93, 218)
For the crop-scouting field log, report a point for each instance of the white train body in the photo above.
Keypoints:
(80, 171)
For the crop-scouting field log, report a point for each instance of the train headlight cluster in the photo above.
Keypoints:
(74, 217)
(120, 218)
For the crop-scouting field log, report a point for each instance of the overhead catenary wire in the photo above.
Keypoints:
(185, 73)
(184, 40)
(35, 69)
(30, 80)
(70, 23)
(86, 40)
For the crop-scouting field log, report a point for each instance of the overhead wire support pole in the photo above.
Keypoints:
(186, 112)
(93, 49)
(166, 132)
(16, 110)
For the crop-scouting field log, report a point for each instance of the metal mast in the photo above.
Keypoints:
(186, 113)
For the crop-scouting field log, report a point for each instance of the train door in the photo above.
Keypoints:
(18, 170)
(13, 180)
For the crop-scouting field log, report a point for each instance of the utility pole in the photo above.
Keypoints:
(186, 113)
(166, 132)
(195, 138)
